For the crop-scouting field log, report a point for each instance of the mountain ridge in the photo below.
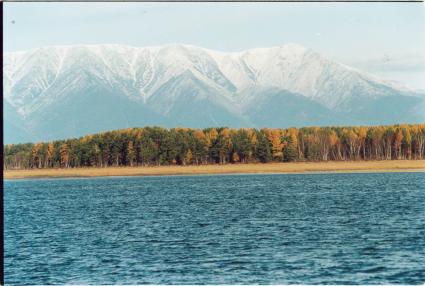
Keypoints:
(196, 87)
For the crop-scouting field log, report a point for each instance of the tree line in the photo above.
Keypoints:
(151, 146)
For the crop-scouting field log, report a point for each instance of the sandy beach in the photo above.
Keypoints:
(296, 167)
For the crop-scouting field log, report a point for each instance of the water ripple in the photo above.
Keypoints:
(285, 229)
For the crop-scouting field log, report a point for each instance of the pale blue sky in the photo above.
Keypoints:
(386, 39)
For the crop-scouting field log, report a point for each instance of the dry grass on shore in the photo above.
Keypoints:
(298, 167)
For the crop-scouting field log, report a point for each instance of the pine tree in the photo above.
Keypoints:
(262, 150)
(290, 151)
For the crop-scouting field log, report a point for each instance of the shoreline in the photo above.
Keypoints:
(248, 168)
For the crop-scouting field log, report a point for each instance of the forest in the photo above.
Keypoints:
(153, 146)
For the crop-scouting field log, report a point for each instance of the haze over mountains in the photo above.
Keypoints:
(69, 91)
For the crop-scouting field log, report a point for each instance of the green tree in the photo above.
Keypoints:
(262, 150)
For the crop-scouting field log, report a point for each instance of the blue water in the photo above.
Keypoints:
(304, 229)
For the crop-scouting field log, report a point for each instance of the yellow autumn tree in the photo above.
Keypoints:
(362, 133)
(188, 157)
(274, 136)
(130, 153)
(226, 135)
(50, 153)
(398, 139)
(235, 157)
(35, 155)
(212, 134)
(64, 154)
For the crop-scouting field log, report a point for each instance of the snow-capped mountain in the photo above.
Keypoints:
(63, 91)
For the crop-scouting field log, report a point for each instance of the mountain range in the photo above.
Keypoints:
(69, 91)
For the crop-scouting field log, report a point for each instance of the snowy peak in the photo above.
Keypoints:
(192, 86)
(144, 70)
(148, 68)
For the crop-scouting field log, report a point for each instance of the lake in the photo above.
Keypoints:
(300, 228)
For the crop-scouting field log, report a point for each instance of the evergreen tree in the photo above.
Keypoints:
(262, 152)
(290, 152)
